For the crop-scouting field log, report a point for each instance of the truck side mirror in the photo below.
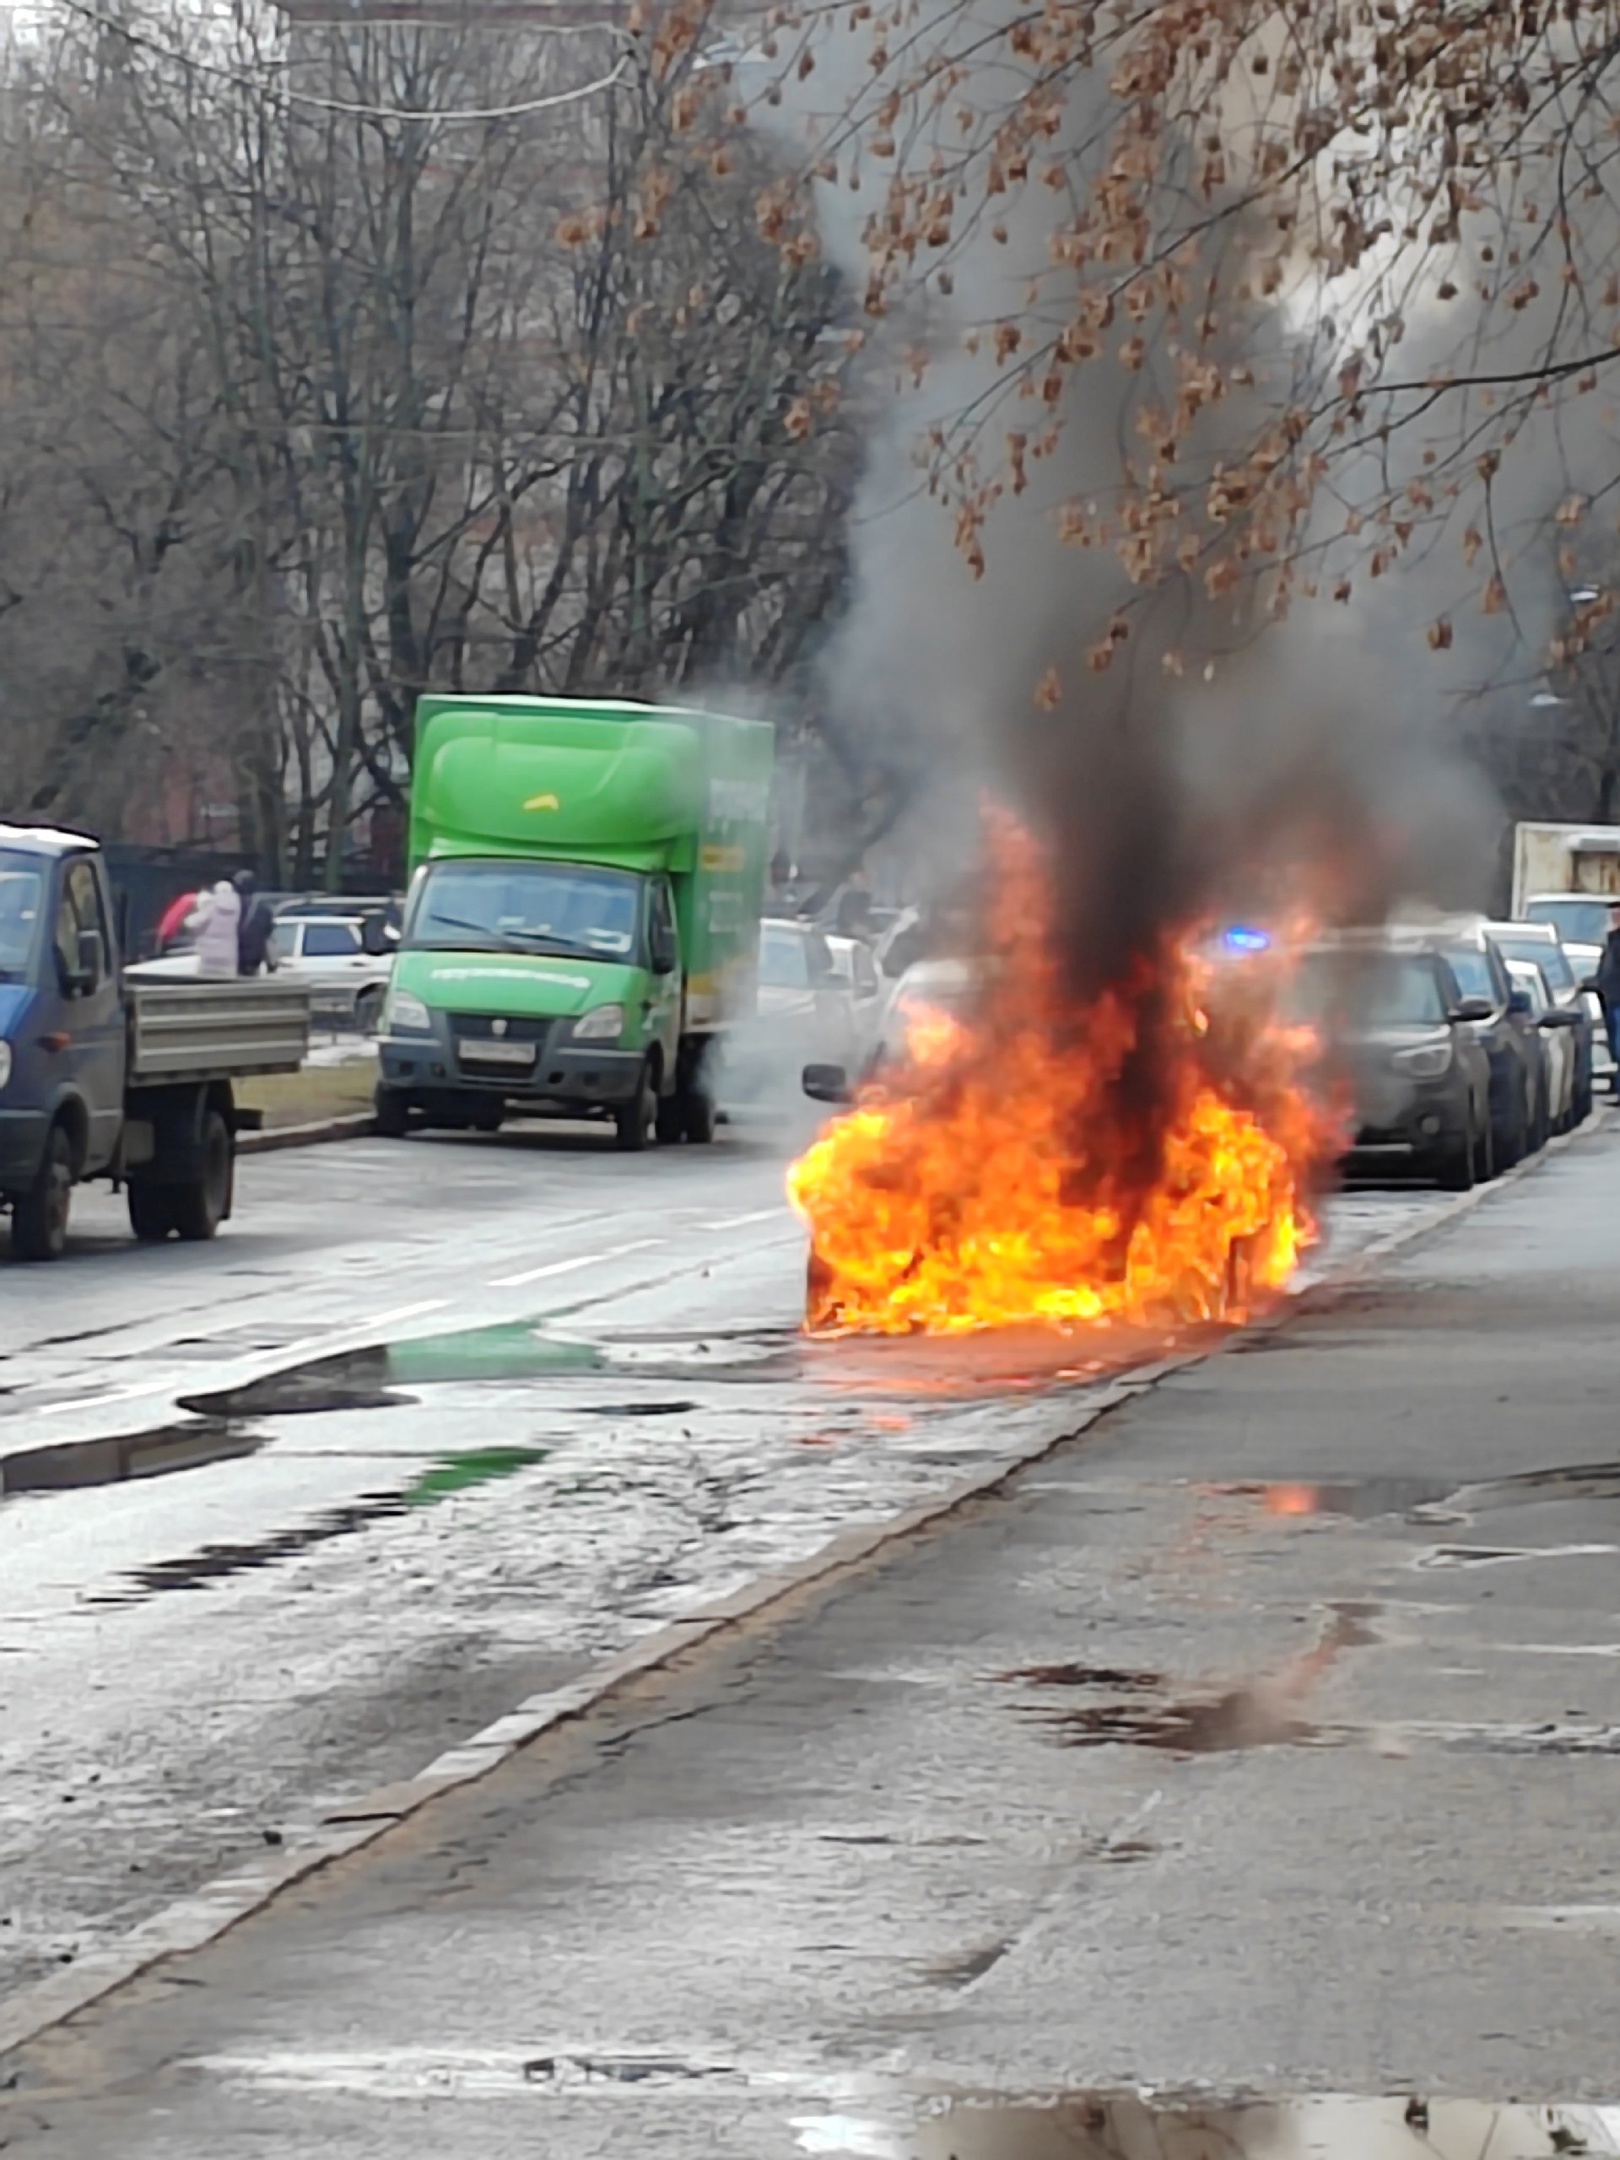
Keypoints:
(374, 938)
(664, 957)
(87, 976)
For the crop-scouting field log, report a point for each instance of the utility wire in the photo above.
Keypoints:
(473, 114)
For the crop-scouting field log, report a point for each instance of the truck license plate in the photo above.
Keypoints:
(489, 1052)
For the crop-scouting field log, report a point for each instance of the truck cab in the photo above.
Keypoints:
(583, 918)
(63, 1041)
(527, 982)
(103, 1075)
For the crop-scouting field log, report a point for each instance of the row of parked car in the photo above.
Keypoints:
(1467, 1043)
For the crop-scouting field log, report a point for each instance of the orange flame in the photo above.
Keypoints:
(1135, 1162)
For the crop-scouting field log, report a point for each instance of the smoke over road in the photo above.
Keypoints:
(1185, 752)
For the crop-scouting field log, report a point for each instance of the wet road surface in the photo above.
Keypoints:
(1261, 1740)
(254, 1560)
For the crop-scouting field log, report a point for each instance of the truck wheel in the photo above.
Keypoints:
(391, 1112)
(39, 1216)
(201, 1206)
(151, 1212)
(635, 1125)
(698, 1106)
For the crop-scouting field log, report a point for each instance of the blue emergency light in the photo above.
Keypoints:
(1244, 940)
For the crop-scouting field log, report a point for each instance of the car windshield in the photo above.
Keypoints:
(526, 907)
(784, 959)
(1369, 990)
(22, 891)
(1578, 922)
(1552, 960)
(1472, 970)
(940, 989)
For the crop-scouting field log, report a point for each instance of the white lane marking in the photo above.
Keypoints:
(93, 1402)
(736, 1222)
(568, 1267)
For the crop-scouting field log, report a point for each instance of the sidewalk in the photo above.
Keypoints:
(1305, 1779)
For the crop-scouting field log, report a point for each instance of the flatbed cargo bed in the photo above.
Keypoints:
(197, 1029)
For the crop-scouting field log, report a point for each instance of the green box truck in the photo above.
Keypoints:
(586, 885)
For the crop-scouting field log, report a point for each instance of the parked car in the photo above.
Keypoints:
(1500, 1018)
(326, 953)
(856, 967)
(1558, 1028)
(329, 953)
(1393, 1017)
(804, 1014)
(1541, 946)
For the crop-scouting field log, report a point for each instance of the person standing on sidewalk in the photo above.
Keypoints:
(1608, 989)
(255, 951)
(217, 921)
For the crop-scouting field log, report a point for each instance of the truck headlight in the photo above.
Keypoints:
(407, 1014)
(605, 1023)
(5, 1061)
(1425, 1064)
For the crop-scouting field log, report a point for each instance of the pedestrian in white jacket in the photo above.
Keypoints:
(217, 921)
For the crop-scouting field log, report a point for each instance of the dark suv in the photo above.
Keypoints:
(1395, 1027)
(1506, 1030)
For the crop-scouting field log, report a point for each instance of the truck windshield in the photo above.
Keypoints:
(22, 894)
(1578, 922)
(526, 907)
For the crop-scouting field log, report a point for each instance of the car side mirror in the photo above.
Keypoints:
(1519, 1003)
(374, 937)
(1590, 985)
(1473, 1008)
(1559, 1019)
(826, 1083)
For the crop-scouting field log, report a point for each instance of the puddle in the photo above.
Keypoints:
(1111, 2126)
(380, 1377)
(479, 1466)
(1362, 1499)
(219, 1563)
(369, 1379)
(442, 1480)
(1114, 1676)
(1243, 1718)
(1424, 1499)
(1261, 1713)
(850, 2112)
(77, 1465)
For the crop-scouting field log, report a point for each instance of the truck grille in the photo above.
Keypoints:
(469, 1026)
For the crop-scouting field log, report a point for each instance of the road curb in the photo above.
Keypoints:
(190, 1923)
(272, 1137)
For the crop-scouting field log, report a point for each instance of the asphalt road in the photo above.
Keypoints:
(592, 1416)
